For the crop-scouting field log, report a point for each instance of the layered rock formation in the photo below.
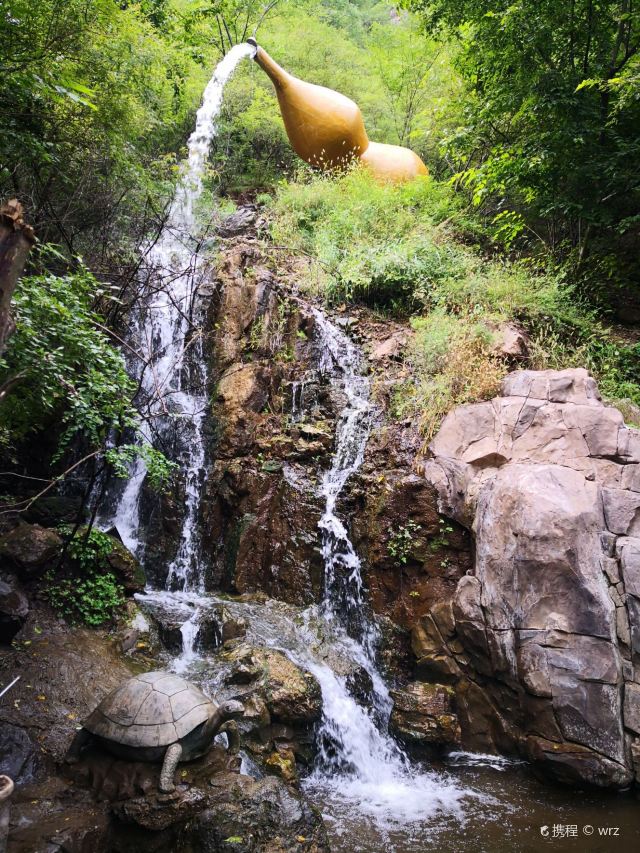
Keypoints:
(260, 505)
(542, 638)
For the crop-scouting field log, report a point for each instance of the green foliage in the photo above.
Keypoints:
(88, 549)
(399, 249)
(401, 541)
(159, 469)
(452, 362)
(92, 594)
(93, 599)
(551, 124)
(372, 242)
(60, 363)
(93, 95)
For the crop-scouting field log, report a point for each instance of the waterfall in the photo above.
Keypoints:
(360, 766)
(166, 327)
(360, 769)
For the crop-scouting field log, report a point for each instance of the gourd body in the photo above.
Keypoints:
(393, 162)
(326, 129)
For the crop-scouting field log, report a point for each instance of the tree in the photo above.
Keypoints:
(551, 127)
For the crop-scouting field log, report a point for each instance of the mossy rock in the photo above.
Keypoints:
(126, 568)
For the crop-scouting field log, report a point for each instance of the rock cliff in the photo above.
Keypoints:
(542, 638)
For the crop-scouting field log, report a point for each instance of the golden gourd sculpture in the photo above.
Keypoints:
(326, 128)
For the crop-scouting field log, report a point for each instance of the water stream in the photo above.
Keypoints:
(166, 327)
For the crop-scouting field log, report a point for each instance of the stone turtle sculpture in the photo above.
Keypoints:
(158, 716)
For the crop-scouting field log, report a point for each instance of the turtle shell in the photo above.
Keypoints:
(152, 709)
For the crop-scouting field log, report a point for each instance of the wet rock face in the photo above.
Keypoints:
(260, 505)
(548, 624)
(126, 568)
(290, 694)
(423, 715)
(412, 556)
(282, 702)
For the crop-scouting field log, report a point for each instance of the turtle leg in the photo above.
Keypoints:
(171, 758)
(80, 742)
(233, 735)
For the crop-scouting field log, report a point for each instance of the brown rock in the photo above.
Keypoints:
(30, 548)
(423, 714)
(392, 347)
(510, 341)
(290, 694)
(283, 763)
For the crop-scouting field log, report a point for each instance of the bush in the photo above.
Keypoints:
(452, 363)
(375, 243)
(92, 599)
(87, 592)
(60, 364)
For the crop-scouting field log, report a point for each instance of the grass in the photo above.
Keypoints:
(408, 251)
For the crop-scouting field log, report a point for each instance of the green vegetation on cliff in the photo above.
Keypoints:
(412, 251)
(527, 116)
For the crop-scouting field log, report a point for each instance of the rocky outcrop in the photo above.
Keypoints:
(126, 567)
(412, 556)
(282, 702)
(260, 503)
(424, 715)
(542, 639)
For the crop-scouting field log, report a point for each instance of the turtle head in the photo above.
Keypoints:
(232, 710)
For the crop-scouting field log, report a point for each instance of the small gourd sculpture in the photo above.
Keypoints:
(326, 128)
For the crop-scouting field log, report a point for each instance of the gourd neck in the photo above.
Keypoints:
(279, 77)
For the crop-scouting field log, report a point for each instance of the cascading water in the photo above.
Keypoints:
(360, 768)
(166, 330)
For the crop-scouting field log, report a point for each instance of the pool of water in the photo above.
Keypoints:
(506, 810)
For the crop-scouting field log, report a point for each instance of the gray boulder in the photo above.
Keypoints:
(547, 628)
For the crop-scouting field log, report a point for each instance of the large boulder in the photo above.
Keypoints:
(30, 548)
(547, 626)
(282, 702)
(126, 567)
(291, 694)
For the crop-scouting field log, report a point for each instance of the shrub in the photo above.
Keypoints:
(92, 599)
(87, 591)
(452, 363)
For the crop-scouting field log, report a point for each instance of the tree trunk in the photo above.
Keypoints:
(16, 240)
